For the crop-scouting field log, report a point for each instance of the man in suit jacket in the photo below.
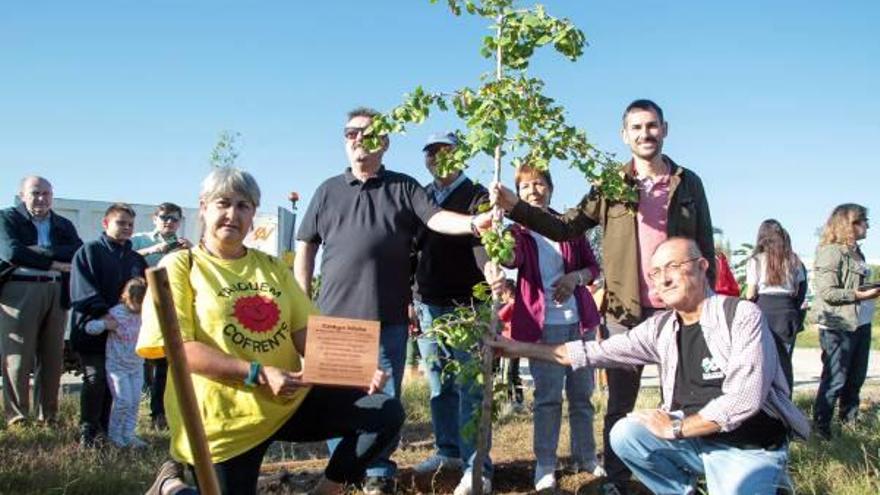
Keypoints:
(36, 247)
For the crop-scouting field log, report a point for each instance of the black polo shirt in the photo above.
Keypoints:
(366, 230)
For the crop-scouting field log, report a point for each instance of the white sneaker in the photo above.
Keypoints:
(464, 486)
(592, 467)
(545, 478)
(437, 462)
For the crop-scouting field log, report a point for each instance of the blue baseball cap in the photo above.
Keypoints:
(441, 138)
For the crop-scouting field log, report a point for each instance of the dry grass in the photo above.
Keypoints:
(43, 460)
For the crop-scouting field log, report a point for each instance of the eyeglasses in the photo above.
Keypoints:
(169, 218)
(351, 133)
(861, 220)
(672, 268)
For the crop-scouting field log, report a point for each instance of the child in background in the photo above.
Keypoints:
(515, 399)
(125, 369)
(100, 270)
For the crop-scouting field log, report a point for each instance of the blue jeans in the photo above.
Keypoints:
(392, 359)
(451, 406)
(673, 466)
(550, 378)
(844, 367)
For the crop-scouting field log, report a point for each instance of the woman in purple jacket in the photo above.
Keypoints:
(552, 305)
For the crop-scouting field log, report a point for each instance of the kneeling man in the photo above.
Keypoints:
(725, 413)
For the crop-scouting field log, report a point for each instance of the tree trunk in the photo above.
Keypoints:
(484, 431)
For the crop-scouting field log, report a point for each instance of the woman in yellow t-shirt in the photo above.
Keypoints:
(242, 318)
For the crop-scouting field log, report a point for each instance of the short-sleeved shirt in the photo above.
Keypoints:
(756, 275)
(699, 379)
(366, 230)
(248, 308)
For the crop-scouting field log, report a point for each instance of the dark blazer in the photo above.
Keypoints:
(17, 232)
(100, 270)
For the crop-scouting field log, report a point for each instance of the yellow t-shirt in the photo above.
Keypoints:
(248, 308)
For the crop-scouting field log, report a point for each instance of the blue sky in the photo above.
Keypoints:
(773, 103)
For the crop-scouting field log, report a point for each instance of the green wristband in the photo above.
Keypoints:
(253, 377)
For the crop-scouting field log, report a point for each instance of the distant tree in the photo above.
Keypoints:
(225, 152)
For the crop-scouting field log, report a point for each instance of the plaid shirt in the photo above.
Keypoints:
(753, 377)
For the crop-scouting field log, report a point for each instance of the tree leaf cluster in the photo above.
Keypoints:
(225, 151)
(511, 111)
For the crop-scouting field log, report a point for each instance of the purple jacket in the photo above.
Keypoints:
(527, 321)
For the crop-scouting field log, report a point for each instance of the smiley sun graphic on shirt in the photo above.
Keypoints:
(258, 314)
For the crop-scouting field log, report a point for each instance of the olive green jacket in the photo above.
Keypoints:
(688, 217)
(837, 273)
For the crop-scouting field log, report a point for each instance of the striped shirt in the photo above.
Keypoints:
(753, 377)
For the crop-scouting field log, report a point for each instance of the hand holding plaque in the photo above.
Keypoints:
(341, 352)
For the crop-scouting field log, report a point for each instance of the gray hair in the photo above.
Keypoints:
(36, 178)
(693, 249)
(226, 180)
(362, 112)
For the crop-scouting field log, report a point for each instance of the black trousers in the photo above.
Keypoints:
(784, 319)
(623, 390)
(159, 372)
(95, 399)
(366, 424)
(844, 367)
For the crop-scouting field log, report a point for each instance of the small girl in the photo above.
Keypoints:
(125, 369)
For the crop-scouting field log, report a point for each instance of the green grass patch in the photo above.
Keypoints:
(46, 460)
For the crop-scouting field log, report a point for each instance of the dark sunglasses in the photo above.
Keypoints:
(351, 133)
(434, 150)
(169, 218)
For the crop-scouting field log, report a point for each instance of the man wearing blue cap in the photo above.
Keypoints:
(447, 269)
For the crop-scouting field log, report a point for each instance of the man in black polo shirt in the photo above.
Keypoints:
(366, 219)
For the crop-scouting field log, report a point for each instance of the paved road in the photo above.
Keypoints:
(807, 370)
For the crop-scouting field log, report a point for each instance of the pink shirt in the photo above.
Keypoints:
(652, 217)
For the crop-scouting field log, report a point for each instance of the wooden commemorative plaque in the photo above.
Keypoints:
(341, 352)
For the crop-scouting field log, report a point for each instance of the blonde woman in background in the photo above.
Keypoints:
(841, 308)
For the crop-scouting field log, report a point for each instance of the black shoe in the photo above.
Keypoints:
(91, 438)
(159, 422)
(612, 488)
(823, 432)
(87, 441)
(379, 485)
